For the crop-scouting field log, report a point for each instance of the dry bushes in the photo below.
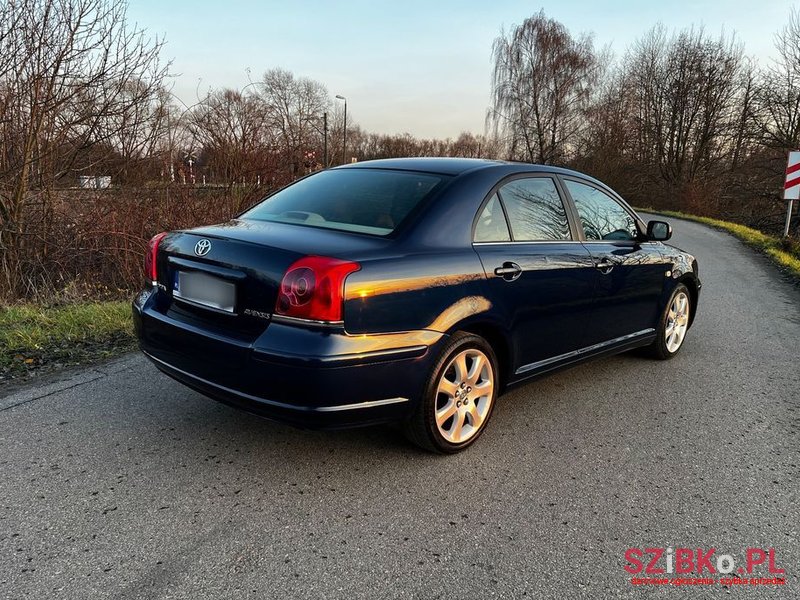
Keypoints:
(91, 243)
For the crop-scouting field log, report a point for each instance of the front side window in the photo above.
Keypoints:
(602, 217)
(372, 201)
(535, 210)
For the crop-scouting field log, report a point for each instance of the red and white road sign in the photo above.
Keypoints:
(791, 187)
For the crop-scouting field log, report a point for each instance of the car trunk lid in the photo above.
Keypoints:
(246, 259)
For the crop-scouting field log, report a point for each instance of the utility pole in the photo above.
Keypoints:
(344, 136)
(325, 137)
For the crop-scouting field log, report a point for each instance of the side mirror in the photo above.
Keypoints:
(659, 231)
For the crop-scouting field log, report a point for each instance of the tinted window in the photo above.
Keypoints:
(535, 211)
(492, 225)
(602, 217)
(361, 200)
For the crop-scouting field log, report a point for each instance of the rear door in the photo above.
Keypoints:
(631, 271)
(540, 277)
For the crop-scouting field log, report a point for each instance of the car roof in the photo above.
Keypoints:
(458, 166)
(440, 165)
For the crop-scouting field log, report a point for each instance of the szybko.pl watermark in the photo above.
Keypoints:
(700, 566)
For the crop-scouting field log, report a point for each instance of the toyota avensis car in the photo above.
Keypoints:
(411, 291)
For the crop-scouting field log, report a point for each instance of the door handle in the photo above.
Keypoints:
(605, 266)
(509, 271)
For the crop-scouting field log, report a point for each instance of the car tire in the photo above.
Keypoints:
(459, 396)
(673, 324)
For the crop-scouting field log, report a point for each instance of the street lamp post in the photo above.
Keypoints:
(344, 136)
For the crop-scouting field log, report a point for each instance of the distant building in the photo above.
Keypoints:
(94, 182)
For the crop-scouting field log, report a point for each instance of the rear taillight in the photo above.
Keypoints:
(313, 288)
(150, 266)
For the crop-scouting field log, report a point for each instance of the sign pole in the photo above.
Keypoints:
(788, 219)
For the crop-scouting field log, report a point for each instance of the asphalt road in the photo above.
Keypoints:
(120, 483)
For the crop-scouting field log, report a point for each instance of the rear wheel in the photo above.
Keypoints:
(459, 396)
(673, 325)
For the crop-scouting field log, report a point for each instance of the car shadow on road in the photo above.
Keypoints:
(535, 416)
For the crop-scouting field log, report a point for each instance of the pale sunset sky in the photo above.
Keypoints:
(410, 66)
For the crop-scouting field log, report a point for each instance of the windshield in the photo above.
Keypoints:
(369, 201)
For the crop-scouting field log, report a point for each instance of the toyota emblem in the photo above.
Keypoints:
(202, 247)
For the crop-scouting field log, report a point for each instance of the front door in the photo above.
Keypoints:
(540, 276)
(631, 271)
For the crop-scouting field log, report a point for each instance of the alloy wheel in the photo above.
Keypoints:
(464, 396)
(677, 322)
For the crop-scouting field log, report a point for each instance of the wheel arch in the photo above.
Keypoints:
(694, 293)
(498, 339)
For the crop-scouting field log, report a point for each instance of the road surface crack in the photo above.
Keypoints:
(56, 391)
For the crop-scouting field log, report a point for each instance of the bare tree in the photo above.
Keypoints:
(777, 112)
(232, 128)
(69, 70)
(606, 144)
(540, 88)
(686, 100)
(779, 94)
(746, 127)
(295, 107)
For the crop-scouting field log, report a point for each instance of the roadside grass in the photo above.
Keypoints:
(784, 253)
(33, 337)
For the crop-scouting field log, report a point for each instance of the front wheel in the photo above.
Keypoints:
(673, 325)
(459, 396)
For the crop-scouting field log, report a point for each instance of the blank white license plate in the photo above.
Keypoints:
(205, 290)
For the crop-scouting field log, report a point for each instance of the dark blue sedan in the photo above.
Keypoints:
(411, 291)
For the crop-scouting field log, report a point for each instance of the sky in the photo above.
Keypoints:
(408, 66)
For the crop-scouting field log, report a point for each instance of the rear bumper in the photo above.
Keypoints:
(314, 378)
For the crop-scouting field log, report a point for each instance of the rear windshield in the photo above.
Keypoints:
(369, 201)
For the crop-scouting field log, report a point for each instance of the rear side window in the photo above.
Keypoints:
(372, 201)
(602, 217)
(535, 210)
(492, 225)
